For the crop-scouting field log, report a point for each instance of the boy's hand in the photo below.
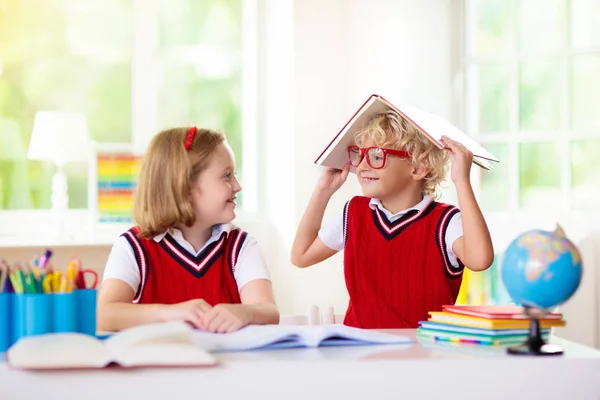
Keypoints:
(461, 160)
(192, 311)
(225, 318)
(332, 179)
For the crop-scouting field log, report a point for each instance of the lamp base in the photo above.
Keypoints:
(60, 201)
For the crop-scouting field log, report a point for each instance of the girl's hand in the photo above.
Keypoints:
(192, 311)
(462, 160)
(225, 318)
(332, 179)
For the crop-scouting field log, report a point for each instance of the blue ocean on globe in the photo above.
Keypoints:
(541, 269)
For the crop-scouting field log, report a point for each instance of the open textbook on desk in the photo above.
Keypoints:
(256, 337)
(154, 345)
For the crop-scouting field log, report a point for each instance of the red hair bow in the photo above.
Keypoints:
(190, 138)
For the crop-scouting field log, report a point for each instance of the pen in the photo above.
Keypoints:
(44, 259)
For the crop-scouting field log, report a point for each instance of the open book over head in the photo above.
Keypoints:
(153, 345)
(255, 337)
(432, 126)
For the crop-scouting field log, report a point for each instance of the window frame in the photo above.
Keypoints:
(507, 224)
(32, 227)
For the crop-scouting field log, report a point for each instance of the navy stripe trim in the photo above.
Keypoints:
(199, 259)
(141, 260)
(452, 271)
(234, 249)
(345, 221)
(240, 244)
(390, 225)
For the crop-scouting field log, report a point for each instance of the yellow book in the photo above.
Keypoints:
(476, 322)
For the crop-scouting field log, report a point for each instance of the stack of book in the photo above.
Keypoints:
(485, 325)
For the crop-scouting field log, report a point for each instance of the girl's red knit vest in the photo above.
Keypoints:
(170, 274)
(396, 272)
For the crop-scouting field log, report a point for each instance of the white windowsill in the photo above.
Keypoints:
(34, 228)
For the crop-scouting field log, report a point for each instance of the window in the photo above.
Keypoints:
(132, 67)
(532, 96)
(531, 72)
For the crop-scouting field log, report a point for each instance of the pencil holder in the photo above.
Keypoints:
(32, 315)
(86, 313)
(6, 312)
(64, 312)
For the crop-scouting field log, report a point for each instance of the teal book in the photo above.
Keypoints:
(437, 326)
(460, 337)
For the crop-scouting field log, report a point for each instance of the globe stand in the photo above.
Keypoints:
(535, 344)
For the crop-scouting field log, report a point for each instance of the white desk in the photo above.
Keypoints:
(364, 372)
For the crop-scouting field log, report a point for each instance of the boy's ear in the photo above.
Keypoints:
(419, 173)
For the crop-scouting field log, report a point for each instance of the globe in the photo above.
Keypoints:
(541, 269)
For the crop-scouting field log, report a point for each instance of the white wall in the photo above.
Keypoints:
(340, 52)
(322, 59)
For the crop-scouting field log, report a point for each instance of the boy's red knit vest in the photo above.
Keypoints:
(396, 272)
(170, 274)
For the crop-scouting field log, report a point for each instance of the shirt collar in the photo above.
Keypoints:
(419, 207)
(178, 236)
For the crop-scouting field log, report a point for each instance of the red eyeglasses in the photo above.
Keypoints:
(376, 156)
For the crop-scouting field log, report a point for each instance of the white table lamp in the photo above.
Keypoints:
(59, 137)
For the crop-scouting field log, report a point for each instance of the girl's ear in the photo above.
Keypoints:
(419, 173)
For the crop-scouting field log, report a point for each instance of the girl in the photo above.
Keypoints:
(184, 260)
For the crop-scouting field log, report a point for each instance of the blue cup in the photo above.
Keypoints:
(86, 313)
(32, 315)
(6, 330)
(64, 312)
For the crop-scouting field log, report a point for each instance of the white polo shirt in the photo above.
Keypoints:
(332, 233)
(251, 265)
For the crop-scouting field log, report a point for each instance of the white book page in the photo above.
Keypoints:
(163, 354)
(336, 156)
(435, 126)
(171, 332)
(256, 336)
(59, 350)
(249, 337)
(362, 335)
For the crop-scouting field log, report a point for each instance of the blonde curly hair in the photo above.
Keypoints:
(390, 130)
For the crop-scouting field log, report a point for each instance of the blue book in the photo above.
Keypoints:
(256, 337)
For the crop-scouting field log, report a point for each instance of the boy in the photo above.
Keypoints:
(404, 253)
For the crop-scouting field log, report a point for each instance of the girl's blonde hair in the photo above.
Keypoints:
(163, 194)
(390, 130)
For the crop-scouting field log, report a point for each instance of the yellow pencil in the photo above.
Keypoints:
(63, 284)
(47, 284)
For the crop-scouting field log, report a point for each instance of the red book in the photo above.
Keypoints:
(495, 312)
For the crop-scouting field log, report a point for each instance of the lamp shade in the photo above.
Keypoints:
(59, 137)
